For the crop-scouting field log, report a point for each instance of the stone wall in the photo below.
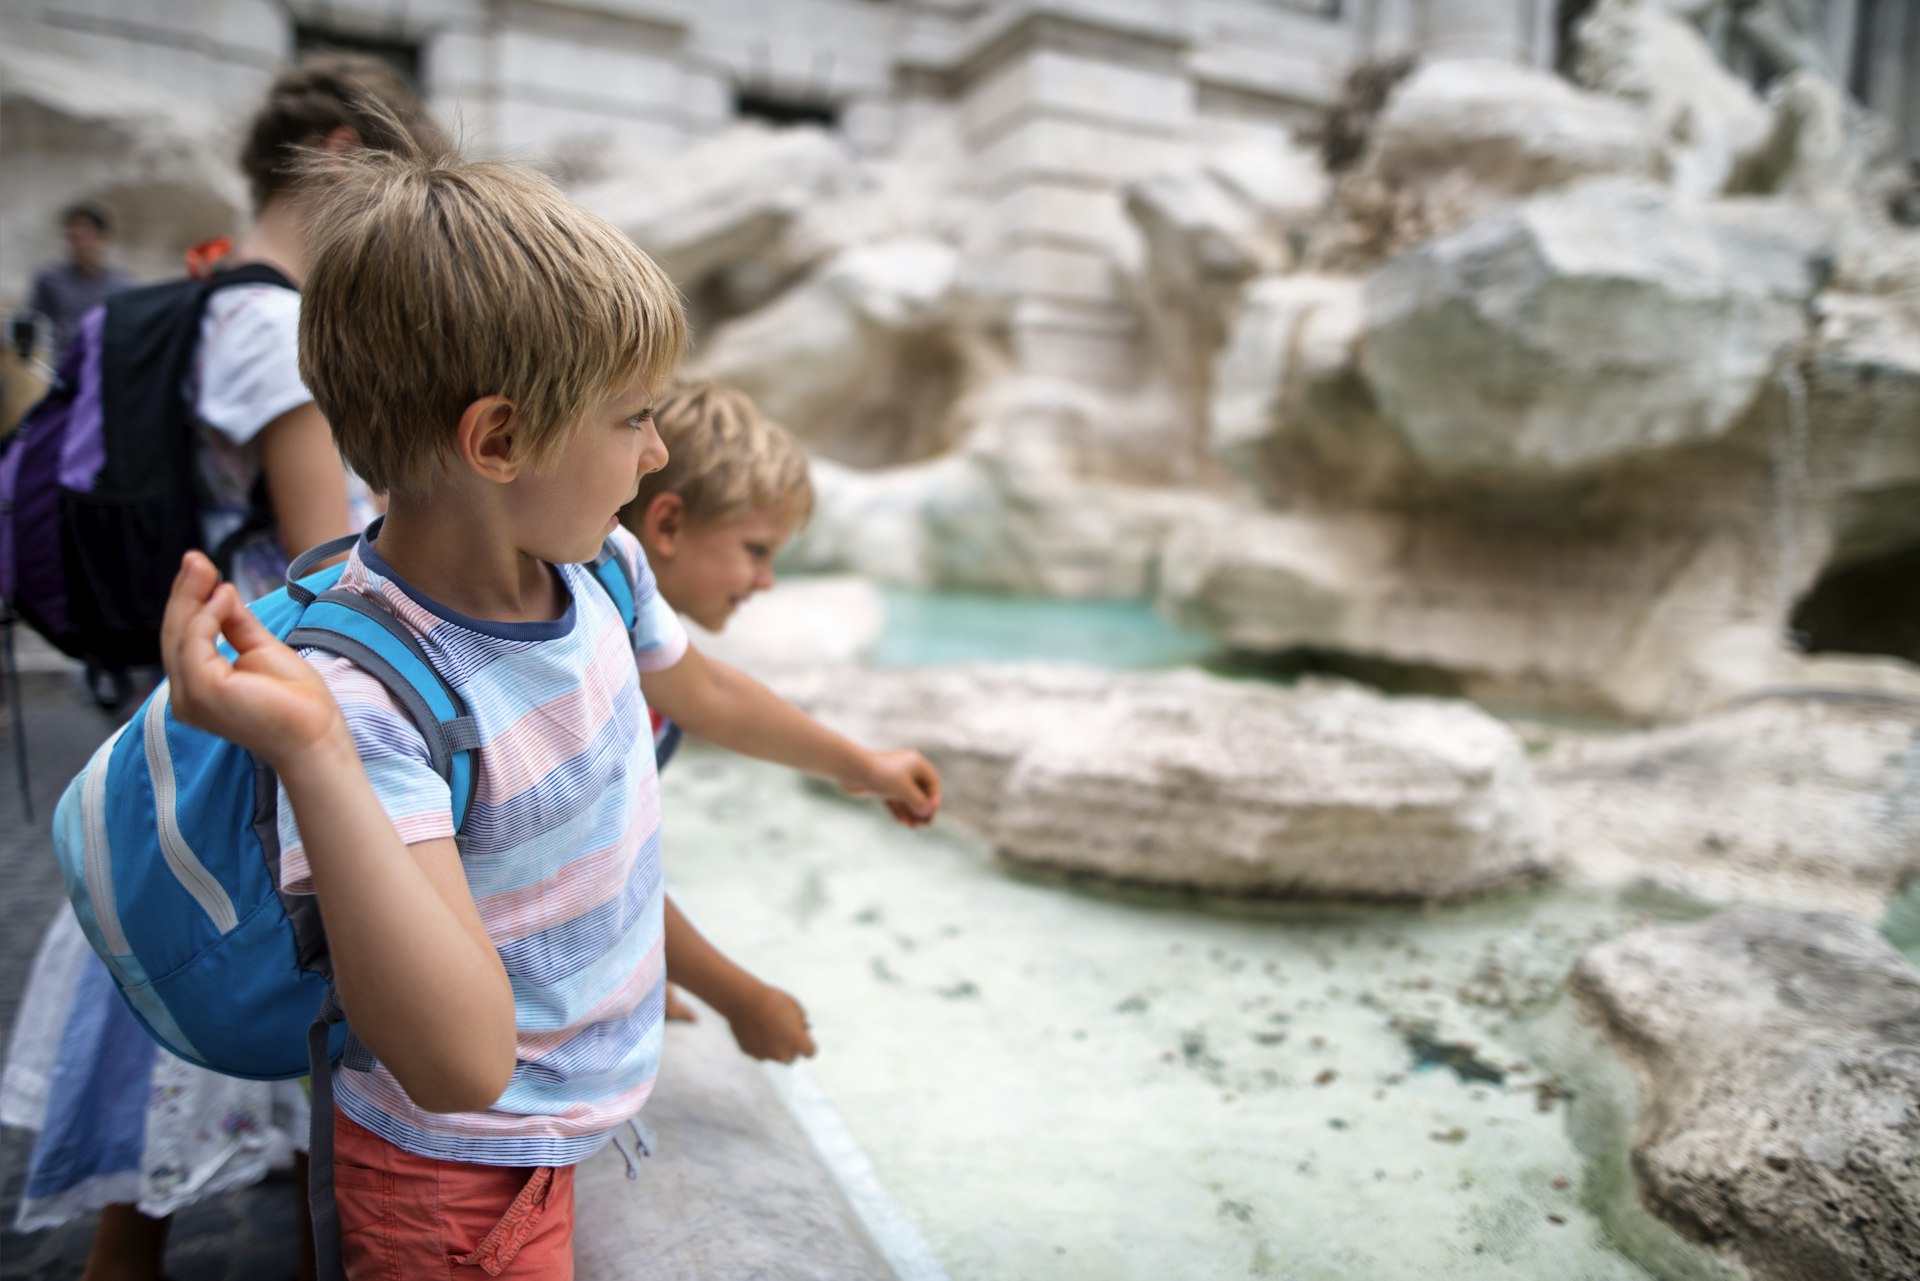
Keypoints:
(1059, 103)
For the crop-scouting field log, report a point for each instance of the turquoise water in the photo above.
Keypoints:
(925, 628)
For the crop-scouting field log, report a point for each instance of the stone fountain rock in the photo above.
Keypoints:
(1804, 801)
(1707, 121)
(1581, 328)
(858, 360)
(1183, 779)
(722, 200)
(1778, 1058)
(1491, 131)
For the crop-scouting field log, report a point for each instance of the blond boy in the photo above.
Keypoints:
(487, 353)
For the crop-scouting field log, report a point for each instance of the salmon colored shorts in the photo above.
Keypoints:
(405, 1217)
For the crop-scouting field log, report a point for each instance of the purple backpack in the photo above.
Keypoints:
(99, 493)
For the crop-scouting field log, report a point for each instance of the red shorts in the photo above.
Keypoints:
(405, 1217)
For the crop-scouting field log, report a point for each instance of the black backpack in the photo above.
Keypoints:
(99, 492)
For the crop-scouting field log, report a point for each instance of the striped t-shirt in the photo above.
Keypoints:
(561, 847)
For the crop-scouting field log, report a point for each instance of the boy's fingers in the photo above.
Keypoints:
(243, 628)
(191, 586)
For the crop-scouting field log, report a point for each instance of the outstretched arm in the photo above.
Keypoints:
(767, 1023)
(730, 709)
(420, 981)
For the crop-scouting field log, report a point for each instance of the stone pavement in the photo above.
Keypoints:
(244, 1236)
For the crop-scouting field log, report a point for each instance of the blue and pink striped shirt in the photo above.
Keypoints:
(561, 848)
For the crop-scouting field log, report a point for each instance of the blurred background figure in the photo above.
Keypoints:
(66, 291)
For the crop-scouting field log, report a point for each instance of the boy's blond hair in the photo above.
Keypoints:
(724, 459)
(434, 281)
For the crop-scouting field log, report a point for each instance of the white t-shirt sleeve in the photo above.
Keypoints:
(249, 360)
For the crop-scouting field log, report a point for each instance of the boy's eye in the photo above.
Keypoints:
(644, 416)
(759, 551)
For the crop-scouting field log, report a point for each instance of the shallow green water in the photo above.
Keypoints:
(1060, 1083)
(925, 628)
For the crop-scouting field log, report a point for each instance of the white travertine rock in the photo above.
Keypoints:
(973, 521)
(1226, 217)
(1862, 374)
(1708, 121)
(1581, 328)
(158, 164)
(722, 199)
(858, 360)
(1179, 778)
(733, 1188)
(1778, 1061)
(1492, 131)
(1798, 801)
(819, 618)
(1286, 387)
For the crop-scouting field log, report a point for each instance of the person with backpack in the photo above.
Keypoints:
(443, 744)
(223, 449)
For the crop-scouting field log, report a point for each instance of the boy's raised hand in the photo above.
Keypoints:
(266, 699)
(906, 781)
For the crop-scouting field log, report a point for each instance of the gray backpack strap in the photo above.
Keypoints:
(305, 562)
(328, 1265)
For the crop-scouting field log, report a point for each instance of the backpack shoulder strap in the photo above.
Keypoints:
(347, 624)
(620, 581)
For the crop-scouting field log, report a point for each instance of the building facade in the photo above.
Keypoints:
(1060, 102)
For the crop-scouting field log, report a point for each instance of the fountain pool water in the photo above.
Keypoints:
(1057, 1081)
(949, 627)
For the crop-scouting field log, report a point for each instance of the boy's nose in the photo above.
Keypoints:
(763, 582)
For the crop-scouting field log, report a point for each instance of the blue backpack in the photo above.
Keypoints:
(169, 845)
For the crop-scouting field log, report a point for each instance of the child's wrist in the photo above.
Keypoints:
(862, 771)
(736, 996)
(313, 764)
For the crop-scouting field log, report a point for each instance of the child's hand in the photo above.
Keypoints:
(267, 700)
(769, 1024)
(906, 781)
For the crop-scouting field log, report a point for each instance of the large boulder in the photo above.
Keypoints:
(1288, 403)
(158, 164)
(1582, 328)
(1491, 131)
(817, 618)
(1184, 779)
(976, 520)
(723, 199)
(1778, 1060)
(861, 360)
(1809, 801)
(1228, 216)
(1707, 120)
(1862, 406)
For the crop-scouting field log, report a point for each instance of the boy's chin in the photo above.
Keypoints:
(715, 620)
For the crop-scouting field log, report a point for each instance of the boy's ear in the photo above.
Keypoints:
(484, 439)
(662, 523)
(340, 138)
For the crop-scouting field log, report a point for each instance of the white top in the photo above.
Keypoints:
(246, 374)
